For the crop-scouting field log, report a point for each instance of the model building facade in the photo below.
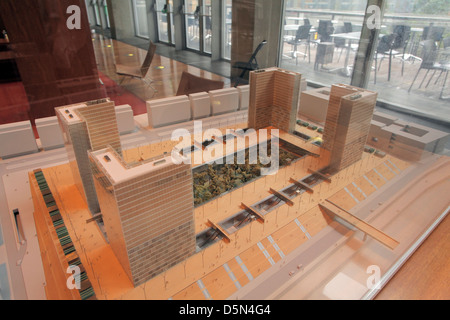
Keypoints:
(347, 125)
(405, 140)
(88, 126)
(148, 212)
(274, 99)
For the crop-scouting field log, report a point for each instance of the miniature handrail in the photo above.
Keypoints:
(254, 211)
(324, 177)
(218, 228)
(282, 196)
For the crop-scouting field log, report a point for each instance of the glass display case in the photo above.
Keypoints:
(353, 96)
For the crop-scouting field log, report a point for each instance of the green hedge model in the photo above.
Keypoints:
(213, 180)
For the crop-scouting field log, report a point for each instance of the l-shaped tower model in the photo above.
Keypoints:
(148, 212)
(88, 126)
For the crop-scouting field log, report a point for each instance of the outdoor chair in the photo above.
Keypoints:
(251, 65)
(302, 37)
(429, 62)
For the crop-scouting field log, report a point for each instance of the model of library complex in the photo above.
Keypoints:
(140, 225)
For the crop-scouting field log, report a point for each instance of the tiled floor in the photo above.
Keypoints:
(204, 62)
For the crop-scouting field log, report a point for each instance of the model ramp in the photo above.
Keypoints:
(378, 235)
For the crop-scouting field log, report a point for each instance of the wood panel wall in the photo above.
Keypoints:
(57, 65)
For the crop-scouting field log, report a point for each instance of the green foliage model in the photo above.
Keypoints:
(217, 179)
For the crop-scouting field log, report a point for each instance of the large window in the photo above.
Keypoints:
(198, 20)
(98, 14)
(105, 7)
(164, 13)
(411, 62)
(95, 6)
(320, 39)
(226, 29)
(192, 14)
(412, 57)
(207, 25)
(140, 18)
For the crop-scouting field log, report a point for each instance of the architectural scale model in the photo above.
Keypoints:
(213, 230)
(147, 234)
(347, 125)
(88, 126)
(274, 99)
(408, 141)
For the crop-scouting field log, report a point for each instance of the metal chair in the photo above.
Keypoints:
(383, 48)
(251, 65)
(433, 33)
(302, 37)
(348, 27)
(391, 45)
(402, 36)
(429, 62)
(444, 62)
(339, 42)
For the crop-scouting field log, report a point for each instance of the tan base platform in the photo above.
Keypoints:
(253, 249)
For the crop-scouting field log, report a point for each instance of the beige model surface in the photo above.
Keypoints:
(241, 255)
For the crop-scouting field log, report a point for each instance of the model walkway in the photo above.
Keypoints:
(360, 224)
